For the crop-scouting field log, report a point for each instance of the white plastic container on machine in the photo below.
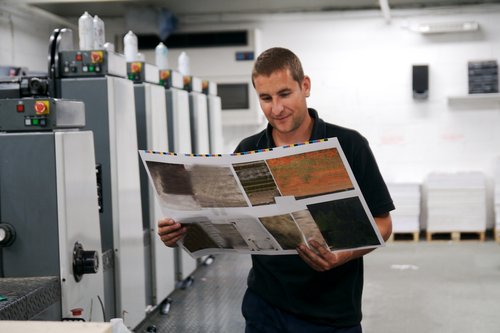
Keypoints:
(161, 55)
(130, 46)
(118, 326)
(183, 63)
(86, 31)
(99, 37)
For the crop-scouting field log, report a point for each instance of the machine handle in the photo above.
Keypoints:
(84, 262)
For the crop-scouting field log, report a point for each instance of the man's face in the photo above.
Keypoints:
(283, 100)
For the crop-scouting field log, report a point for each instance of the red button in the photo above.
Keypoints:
(136, 67)
(20, 107)
(96, 56)
(76, 311)
(78, 57)
(40, 108)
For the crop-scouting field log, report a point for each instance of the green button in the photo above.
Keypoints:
(91, 68)
(34, 122)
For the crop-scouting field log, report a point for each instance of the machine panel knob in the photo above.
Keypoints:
(84, 262)
(7, 234)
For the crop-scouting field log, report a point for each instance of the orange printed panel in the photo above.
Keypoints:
(310, 174)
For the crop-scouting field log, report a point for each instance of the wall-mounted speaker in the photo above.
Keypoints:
(420, 81)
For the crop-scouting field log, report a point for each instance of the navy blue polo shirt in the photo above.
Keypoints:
(286, 281)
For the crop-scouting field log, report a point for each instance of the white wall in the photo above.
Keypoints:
(361, 78)
(361, 74)
(24, 38)
(361, 71)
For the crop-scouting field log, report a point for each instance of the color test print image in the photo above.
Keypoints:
(310, 174)
(191, 187)
(203, 234)
(308, 226)
(284, 230)
(242, 233)
(292, 230)
(344, 224)
(257, 182)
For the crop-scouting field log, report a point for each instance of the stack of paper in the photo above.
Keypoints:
(456, 202)
(406, 197)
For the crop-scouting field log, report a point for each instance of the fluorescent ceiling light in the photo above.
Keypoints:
(445, 27)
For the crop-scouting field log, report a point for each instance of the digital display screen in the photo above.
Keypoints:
(233, 96)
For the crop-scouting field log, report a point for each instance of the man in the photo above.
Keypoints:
(318, 290)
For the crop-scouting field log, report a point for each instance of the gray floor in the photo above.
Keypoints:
(409, 287)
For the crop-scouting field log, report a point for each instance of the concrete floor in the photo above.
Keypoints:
(433, 287)
(409, 287)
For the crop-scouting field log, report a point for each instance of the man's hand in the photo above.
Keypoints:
(170, 231)
(321, 258)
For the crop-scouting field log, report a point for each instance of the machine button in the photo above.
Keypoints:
(43, 122)
(97, 68)
(91, 68)
(74, 69)
(97, 56)
(27, 122)
(78, 57)
(85, 68)
(136, 67)
(76, 311)
(42, 107)
(20, 107)
(35, 122)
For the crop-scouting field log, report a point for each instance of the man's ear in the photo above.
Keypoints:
(306, 85)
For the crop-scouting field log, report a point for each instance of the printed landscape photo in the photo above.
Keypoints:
(310, 174)
(186, 187)
(344, 224)
(284, 230)
(257, 182)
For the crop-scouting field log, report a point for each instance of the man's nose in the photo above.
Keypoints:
(278, 106)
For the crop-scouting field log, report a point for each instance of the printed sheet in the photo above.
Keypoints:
(263, 202)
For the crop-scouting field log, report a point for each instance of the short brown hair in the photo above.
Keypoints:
(275, 59)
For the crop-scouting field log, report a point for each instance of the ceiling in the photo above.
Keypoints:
(118, 8)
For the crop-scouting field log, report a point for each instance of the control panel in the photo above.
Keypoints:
(135, 71)
(170, 78)
(209, 87)
(139, 71)
(91, 63)
(40, 114)
(192, 83)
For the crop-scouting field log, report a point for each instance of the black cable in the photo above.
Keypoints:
(102, 307)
